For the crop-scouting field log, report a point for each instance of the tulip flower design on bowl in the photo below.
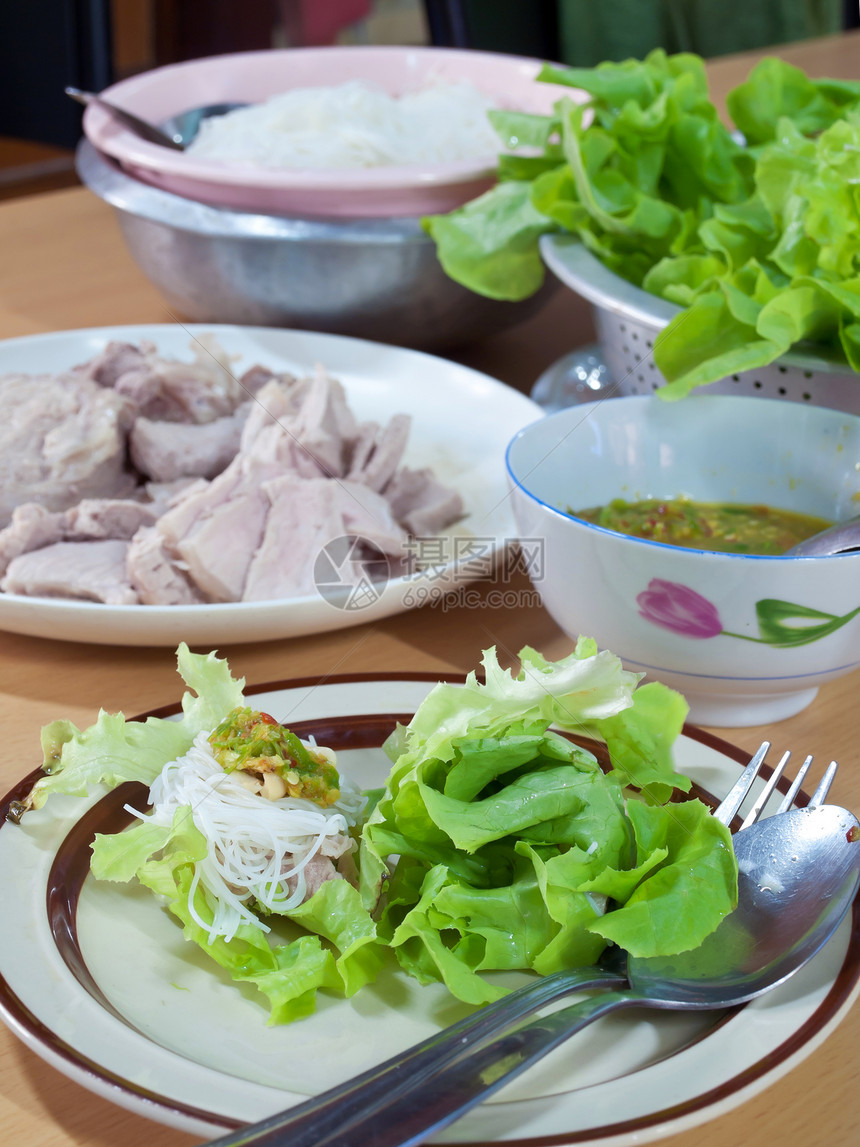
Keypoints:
(682, 610)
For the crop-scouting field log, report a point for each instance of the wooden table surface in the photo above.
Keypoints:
(63, 266)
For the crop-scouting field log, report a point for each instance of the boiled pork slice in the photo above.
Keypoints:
(215, 529)
(157, 578)
(31, 527)
(256, 377)
(304, 424)
(196, 503)
(62, 438)
(315, 872)
(115, 360)
(305, 516)
(165, 389)
(301, 520)
(325, 426)
(94, 571)
(163, 495)
(167, 451)
(362, 448)
(367, 514)
(118, 518)
(421, 503)
(381, 461)
(278, 399)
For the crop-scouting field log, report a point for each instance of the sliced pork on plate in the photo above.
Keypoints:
(134, 479)
(62, 438)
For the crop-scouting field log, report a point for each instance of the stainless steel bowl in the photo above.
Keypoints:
(373, 278)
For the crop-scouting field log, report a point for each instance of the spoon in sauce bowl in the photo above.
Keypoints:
(840, 538)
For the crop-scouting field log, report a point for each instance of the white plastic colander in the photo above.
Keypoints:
(628, 319)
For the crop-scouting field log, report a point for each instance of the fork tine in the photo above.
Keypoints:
(764, 796)
(823, 789)
(788, 799)
(726, 810)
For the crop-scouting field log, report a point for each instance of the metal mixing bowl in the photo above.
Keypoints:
(373, 278)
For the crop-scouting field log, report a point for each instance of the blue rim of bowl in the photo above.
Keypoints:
(710, 554)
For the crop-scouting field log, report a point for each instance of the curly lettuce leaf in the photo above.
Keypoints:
(684, 899)
(562, 805)
(114, 750)
(640, 739)
(490, 245)
(631, 171)
(800, 285)
(336, 913)
(757, 241)
(775, 90)
(536, 920)
(163, 858)
(510, 838)
(584, 686)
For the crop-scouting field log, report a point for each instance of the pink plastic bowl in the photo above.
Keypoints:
(253, 77)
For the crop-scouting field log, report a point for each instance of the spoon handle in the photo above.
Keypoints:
(360, 1099)
(139, 126)
(416, 1114)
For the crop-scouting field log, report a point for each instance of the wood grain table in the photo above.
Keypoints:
(63, 265)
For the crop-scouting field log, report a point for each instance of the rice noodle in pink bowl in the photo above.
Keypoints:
(392, 189)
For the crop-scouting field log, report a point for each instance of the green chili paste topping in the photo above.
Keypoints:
(254, 743)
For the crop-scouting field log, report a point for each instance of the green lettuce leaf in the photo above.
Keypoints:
(490, 245)
(289, 974)
(683, 900)
(336, 913)
(758, 240)
(511, 839)
(340, 952)
(775, 90)
(115, 750)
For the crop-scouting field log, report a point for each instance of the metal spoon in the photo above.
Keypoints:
(799, 873)
(139, 126)
(177, 132)
(185, 126)
(841, 538)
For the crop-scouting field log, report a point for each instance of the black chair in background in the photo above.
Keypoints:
(44, 47)
(48, 45)
(526, 29)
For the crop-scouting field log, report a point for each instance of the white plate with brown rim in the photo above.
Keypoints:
(97, 979)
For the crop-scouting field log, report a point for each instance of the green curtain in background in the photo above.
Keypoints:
(594, 30)
(588, 31)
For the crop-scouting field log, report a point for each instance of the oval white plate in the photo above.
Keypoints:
(103, 987)
(462, 421)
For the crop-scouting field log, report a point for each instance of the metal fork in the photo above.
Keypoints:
(727, 809)
(348, 1110)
